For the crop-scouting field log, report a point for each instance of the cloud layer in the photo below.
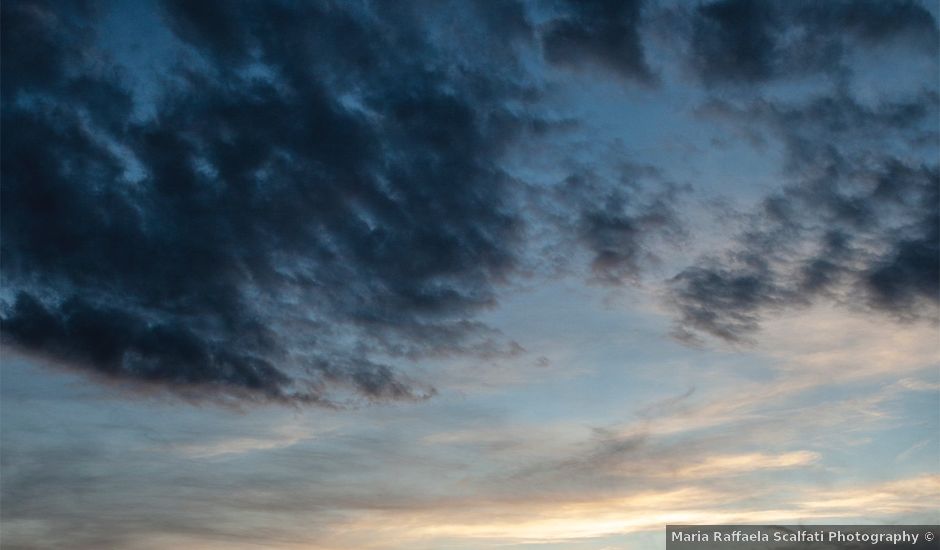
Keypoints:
(333, 181)
(304, 198)
(857, 221)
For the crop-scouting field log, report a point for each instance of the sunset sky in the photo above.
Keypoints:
(465, 275)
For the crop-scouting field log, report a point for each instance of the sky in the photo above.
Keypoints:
(459, 275)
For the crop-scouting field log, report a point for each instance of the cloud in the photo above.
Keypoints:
(300, 202)
(619, 221)
(299, 212)
(746, 42)
(739, 464)
(884, 498)
(604, 33)
(739, 449)
(813, 129)
(857, 222)
(282, 437)
(113, 342)
(302, 214)
(649, 511)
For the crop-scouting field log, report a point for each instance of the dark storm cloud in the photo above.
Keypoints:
(113, 342)
(320, 187)
(748, 41)
(858, 222)
(317, 191)
(604, 33)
